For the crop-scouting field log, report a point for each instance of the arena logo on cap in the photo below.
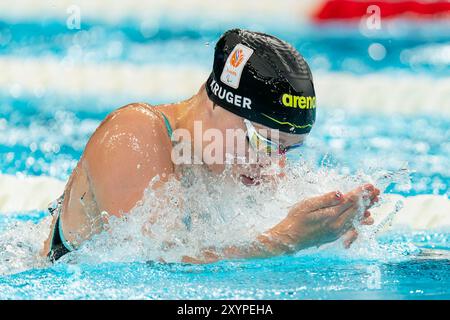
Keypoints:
(301, 102)
(232, 71)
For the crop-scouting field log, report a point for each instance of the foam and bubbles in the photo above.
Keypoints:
(20, 245)
(204, 211)
(208, 211)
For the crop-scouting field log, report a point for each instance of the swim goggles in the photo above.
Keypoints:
(262, 145)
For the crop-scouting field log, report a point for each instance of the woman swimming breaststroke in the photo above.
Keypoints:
(260, 88)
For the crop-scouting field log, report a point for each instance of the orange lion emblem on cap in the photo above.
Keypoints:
(237, 58)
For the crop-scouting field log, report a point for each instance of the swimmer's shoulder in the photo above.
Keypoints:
(134, 118)
(125, 153)
(135, 128)
(140, 111)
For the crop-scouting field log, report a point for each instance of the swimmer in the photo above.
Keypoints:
(258, 82)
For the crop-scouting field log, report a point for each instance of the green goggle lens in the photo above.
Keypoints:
(265, 146)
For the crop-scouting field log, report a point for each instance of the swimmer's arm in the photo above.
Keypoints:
(265, 246)
(262, 248)
(311, 222)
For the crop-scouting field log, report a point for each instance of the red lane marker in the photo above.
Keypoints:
(354, 9)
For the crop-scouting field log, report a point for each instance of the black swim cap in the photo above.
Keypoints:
(263, 79)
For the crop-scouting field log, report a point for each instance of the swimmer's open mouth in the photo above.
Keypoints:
(249, 181)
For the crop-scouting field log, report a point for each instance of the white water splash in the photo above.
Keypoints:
(20, 244)
(184, 217)
(204, 211)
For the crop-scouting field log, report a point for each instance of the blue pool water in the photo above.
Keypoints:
(44, 135)
(406, 272)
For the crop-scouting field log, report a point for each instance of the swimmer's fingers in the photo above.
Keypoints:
(345, 219)
(329, 199)
(330, 213)
(349, 206)
(367, 193)
(367, 219)
(340, 221)
(374, 200)
(349, 237)
(334, 199)
(344, 222)
(361, 199)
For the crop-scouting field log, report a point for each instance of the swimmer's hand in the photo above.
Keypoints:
(311, 222)
(322, 219)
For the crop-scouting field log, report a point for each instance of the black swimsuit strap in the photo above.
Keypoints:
(57, 247)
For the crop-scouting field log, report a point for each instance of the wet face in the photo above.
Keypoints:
(250, 166)
(271, 166)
